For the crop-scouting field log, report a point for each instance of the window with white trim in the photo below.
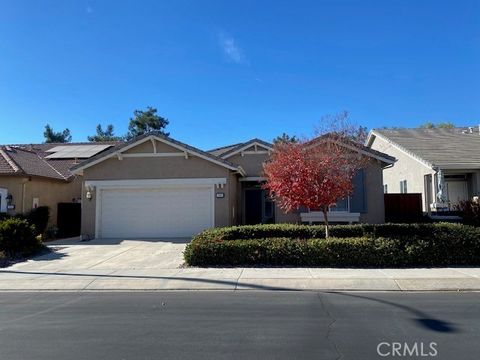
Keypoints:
(403, 187)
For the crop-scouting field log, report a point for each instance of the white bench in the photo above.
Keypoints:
(333, 216)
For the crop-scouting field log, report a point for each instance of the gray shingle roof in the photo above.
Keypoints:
(455, 147)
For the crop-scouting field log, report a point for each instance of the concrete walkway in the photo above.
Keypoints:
(157, 265)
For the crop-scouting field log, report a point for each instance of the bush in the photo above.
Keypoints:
(4, 216)
(18, 237)
(385, 245)
(470, 212)
(39, 217)
(293, 231)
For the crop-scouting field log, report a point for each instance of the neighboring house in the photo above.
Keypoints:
(155, 186)
(39, 175)
(441, 164)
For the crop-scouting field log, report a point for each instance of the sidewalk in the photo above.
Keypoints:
(129, 265)
(325, 279)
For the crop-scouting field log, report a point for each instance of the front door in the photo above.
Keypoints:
(259, 208)
(253, 206)
(456, 192)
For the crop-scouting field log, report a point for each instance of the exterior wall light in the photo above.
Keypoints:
(89, 192)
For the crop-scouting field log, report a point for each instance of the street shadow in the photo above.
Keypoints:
(421, 318)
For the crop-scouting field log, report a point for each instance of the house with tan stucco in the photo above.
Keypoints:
(33, 175)
(154, 186)
(441, 164)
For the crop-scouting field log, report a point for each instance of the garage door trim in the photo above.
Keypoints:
(100, 185)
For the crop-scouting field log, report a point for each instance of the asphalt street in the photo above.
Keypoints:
(239, 325)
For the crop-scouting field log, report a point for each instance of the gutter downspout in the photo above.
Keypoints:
(24, 183)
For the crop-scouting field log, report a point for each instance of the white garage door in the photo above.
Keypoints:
(155, 213)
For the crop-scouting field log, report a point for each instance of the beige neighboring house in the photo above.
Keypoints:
(441, 164)
(33, 175)
(154, 187)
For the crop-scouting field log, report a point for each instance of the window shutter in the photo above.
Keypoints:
(358, 199)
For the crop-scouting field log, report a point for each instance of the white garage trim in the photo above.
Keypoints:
(102, 185)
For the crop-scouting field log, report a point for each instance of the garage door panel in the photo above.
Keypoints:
(154, 213)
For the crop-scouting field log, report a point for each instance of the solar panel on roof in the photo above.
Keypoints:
(58, 148)
(76, 151)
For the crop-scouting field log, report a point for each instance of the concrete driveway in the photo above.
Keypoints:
(108, 254)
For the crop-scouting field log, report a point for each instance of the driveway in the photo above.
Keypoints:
(108, 254)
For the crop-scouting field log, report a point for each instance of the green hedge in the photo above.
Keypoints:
(39, 217)
(318, 231)
(18, 237)
(278, 230)
(387, 245)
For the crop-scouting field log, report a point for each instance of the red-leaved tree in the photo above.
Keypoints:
(313, 174)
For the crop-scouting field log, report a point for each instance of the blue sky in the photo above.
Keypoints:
(226, 71)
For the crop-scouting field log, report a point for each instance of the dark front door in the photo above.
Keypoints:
(253, 206)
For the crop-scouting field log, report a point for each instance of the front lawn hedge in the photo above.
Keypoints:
(385, 245)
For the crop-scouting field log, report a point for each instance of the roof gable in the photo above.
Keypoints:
(445, 148)
(256, 143)
(372, 136)
(152, 136)
(23, 162)
(222, 150)
(360, 148)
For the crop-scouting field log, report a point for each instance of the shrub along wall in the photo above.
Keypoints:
(385, 245)
(18, 238)
(37, 217)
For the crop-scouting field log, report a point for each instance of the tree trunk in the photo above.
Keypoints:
(325, 218)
